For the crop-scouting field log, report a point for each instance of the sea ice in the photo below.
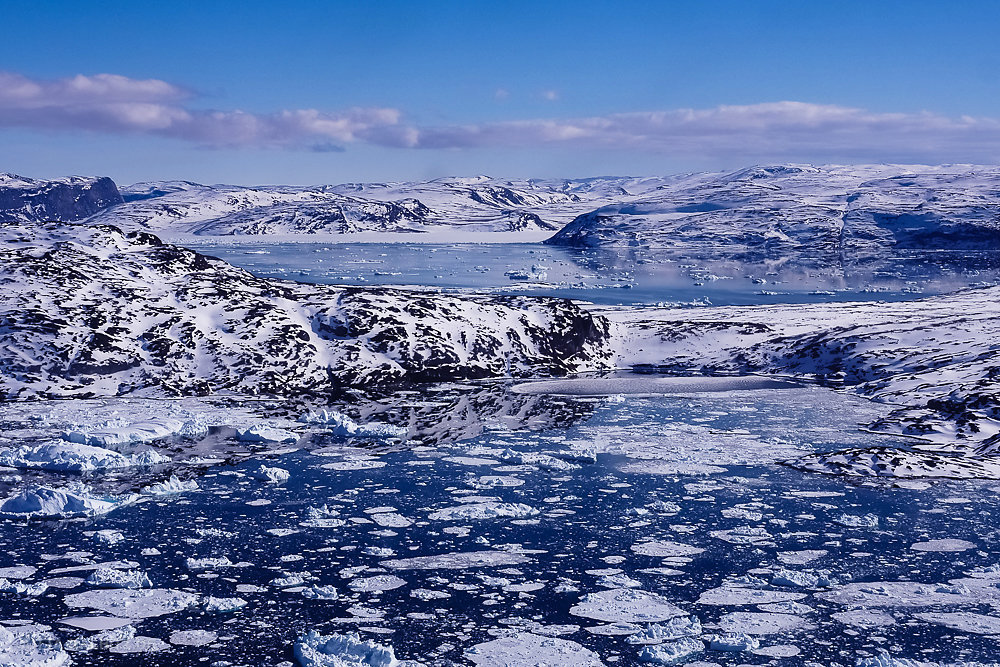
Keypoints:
(457, 561)
(482, 511)
(738, 596)
(754, 623)
(44, 502)
(380, 582)
(526, 649)
(140, 644)
(109, 577)
(143, 603)
(272, 475)
(315, 650)
(192, 637)
(732, 641)
(62, 456)
(214, 605)
(626, 605)
(964, 621)
(670, 630)
(265, 433)
(665, 548)
(672, 652)
(171, 486)
(943, 545)
(341, 424)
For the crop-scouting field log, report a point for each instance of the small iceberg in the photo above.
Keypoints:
(46, 502)
(316, 650)
(60, 456)
(265, 433)
(171, 486)
(341, 424)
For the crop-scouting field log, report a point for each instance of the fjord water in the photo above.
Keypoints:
(614, 275)
(680, 496)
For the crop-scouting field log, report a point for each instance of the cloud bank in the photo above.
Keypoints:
(121, 105)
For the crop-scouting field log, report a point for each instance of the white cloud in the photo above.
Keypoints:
(792, 130)
(117, 104)
(550, 95)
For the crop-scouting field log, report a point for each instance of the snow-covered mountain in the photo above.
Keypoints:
(87, 310)
(73, 198)
(936, 359)
(826, 211)
(478, 204)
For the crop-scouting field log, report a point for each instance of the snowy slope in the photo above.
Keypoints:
(72, 198)
(826, 211)
(89, 311)
(938, 359)
(478, 204)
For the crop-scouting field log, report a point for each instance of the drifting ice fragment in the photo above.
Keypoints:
(315, 650)
(341, 424)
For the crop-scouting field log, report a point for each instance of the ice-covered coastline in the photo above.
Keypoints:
(90, 311)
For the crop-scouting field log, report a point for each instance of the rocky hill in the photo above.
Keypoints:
(74, 198)
(826, 212)
(87, 310)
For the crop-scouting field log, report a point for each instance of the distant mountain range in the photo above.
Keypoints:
(761, 211)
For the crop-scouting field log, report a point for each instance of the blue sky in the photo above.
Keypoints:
(251, 92)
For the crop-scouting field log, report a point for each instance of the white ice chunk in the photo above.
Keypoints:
(171, 486)
(214, 605)
(380, 582)
(109, 577)
(315, 650)
(115, 432)
(265, 433)
(672, 652)
(732, 641)
(482, 511)
(943, 545)
(44, 502)
(457, 561)
(37, 649)
(526, 649)
(125, 603)
(63, 456)
(341, 424)
(665, 549)
(272, 475)
(626, 605)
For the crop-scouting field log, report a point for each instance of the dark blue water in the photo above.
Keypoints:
(612, 276)
(590, 514)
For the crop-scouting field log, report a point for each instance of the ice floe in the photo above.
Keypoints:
(482, 511)
(341, 424)
(457, 561)
(46, 502)
(526, 649)
(71, 457)
(671, 652)
(315, 650)
(109, 577)
(126, 603)
(171, 486)
(626, 605)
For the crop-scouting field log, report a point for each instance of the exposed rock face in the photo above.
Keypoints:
(91, 311)
(826, 212)
(75, 198)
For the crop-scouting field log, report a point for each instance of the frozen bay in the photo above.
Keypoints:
(569, 499)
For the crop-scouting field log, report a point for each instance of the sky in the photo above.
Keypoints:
(320, 91)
